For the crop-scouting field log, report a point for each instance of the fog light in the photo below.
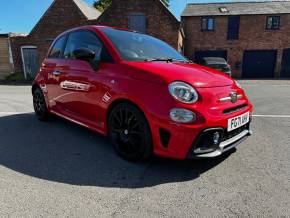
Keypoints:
(182, 115)
(216, 138)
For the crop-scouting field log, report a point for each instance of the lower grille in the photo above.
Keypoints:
(229, 135)
(205, 143)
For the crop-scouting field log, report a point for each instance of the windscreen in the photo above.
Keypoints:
(134, 46)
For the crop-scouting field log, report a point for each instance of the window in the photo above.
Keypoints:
(83, 39)
(207, 24)
(139, 47)
(137, 22)
(233, 27)
(273, 23)
(57, 48)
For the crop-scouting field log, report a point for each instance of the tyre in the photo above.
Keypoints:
(39, 104)
(130, 132)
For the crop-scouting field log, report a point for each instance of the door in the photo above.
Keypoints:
(137, 22)
(285, 68)
(52, 72)
(30, 61)
(259, 64)
(210, 53)
(81, 84)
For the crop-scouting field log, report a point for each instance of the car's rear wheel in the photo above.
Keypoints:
(130, 132)
(39, 104)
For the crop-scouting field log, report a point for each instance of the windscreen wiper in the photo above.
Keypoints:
(159, 59)
(166, 60)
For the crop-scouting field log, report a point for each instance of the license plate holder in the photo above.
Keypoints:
(238, 121)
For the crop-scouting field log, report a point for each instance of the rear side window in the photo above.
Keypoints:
(57, 48)
(83, 39)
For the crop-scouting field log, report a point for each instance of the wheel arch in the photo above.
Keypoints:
(139, 106)
(150, 136)
(34, 86)
(124, 100)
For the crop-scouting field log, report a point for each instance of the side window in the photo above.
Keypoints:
(83, 39)
(57, 48)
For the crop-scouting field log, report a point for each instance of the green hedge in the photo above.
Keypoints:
(16, 79)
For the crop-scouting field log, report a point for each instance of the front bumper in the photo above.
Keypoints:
(191, 142)
(228, 142)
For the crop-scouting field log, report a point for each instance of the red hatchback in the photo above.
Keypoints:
(142, 93)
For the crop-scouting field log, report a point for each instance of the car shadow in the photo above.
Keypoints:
(62, 152)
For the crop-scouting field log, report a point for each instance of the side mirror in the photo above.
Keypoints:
(84, 54)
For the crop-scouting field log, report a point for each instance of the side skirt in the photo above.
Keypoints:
(93, 128)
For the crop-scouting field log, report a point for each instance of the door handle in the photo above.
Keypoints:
(56, 72)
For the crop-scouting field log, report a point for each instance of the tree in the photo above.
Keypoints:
(102, 5)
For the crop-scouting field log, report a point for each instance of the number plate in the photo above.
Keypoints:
(238, 121)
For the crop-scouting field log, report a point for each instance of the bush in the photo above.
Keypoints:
(15, 77)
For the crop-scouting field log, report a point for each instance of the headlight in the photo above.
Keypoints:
(180, 115)
(238, 84)
(183, 92)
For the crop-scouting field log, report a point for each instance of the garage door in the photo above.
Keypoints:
(285, 68)
(210, 53)
(259, 64)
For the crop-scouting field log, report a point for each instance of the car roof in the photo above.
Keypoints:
(98, 27)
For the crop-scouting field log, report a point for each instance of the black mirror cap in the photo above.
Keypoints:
(84, 54)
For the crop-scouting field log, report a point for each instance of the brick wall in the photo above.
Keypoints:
(16, 43)
(61, 16)
(159, 22)
(253, 36)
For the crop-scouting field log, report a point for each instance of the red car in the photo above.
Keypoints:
(142, 93)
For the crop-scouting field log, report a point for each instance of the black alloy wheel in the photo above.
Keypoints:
(130, 132)
(39, 105)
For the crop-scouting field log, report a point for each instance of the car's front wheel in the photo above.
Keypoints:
(39, 105)
(130, 132)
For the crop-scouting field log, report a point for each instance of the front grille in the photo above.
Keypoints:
(235, 109)
(228, 135)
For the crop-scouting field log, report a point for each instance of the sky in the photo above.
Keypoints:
(20, 16)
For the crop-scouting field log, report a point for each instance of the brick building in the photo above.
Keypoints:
(148, 16)
(253, 36)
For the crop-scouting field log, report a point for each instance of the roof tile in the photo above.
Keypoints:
(237, 8)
